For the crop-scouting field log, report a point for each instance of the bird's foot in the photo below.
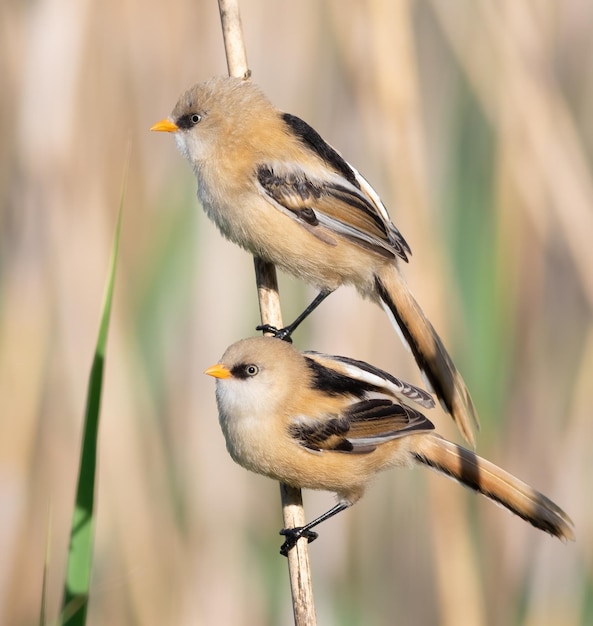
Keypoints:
(279, 333)
(293, 535)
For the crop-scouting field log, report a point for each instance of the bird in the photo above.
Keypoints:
(332, 423)
(275, 187)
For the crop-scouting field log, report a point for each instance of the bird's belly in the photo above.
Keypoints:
(326, 261)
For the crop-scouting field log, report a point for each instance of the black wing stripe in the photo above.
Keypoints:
(368, 410)
(357, 202)
(333, 383)
(328, 435)
(414, 393)
(275, 185)
(315, 142)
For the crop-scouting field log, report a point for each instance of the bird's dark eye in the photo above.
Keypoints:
(244, 370)
(251, 370)
(188, 120)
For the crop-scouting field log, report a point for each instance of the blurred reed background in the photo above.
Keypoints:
(473, 121)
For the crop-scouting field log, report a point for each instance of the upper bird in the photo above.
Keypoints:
(273, 186)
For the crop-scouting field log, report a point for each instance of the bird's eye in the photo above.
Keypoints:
(251, 370)
(195, 118)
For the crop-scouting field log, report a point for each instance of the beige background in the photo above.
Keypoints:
(473, 121)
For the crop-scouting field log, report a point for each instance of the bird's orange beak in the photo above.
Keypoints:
(218, 371)
(166, 126)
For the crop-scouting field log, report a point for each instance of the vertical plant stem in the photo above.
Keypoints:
(269, 304)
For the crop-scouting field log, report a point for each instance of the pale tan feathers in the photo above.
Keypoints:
(310, 421)
(273, 186)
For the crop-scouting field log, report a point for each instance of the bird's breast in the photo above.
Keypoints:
(245, 217)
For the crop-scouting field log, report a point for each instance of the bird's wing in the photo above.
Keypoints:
(332, 199)
(371, 406)
(363, 426)
(370, 378)
(376, 421)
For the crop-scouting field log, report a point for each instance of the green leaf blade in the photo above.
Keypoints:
(79, 565)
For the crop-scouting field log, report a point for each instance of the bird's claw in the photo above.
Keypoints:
(279, 333)
(293, 535)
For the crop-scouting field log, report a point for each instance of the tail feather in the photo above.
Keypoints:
(428, 350)
(494, 483)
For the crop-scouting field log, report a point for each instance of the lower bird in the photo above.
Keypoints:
(317, 421)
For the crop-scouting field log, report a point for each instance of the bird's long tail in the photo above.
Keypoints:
(493, 482)
(428, 350)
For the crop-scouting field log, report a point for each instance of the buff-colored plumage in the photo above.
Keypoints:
(323, 422)
(273, 186)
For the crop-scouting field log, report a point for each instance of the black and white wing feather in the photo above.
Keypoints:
(377, 410)
(341, 202)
